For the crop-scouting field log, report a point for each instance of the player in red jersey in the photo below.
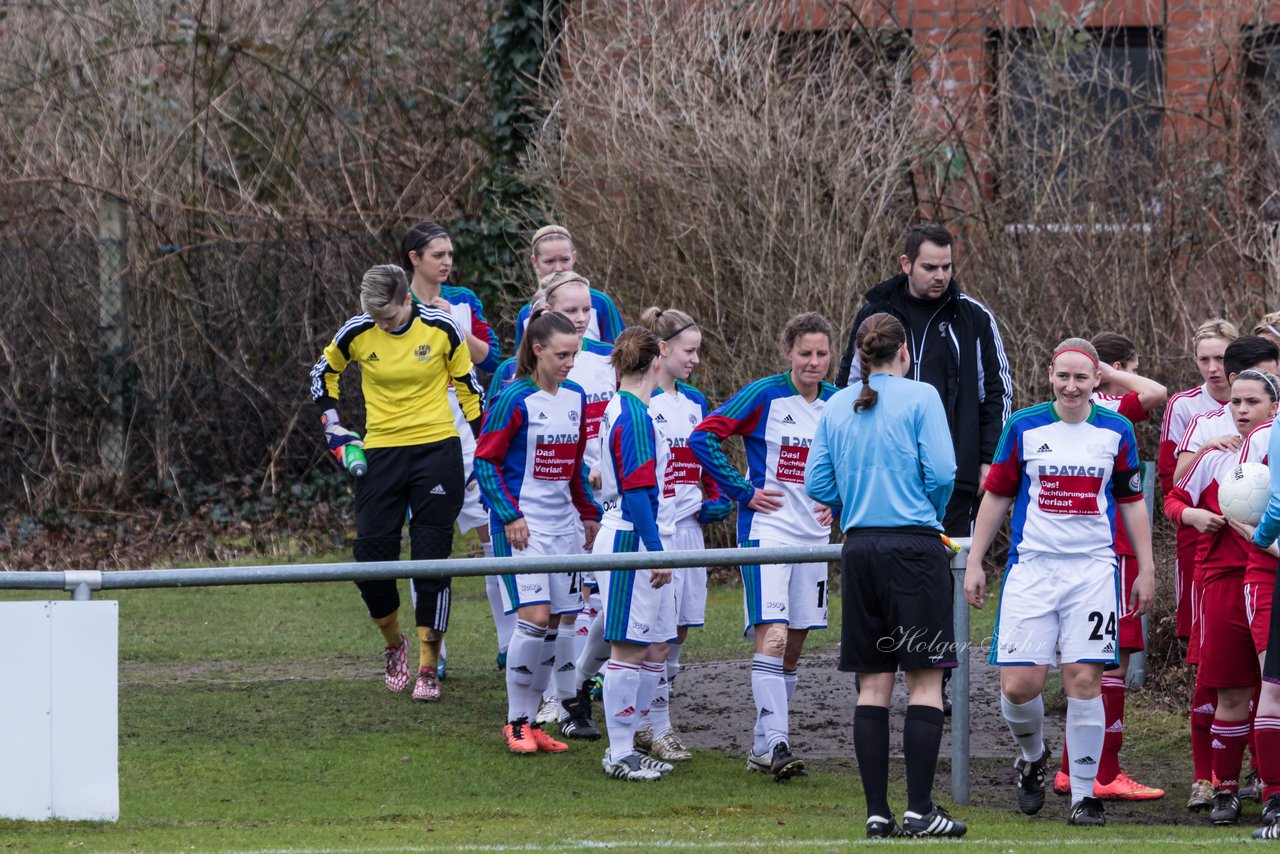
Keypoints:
(1122, 390)
(1209, 343)
(1227, 658)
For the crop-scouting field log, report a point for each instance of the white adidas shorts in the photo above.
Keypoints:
(791, 593)
(473, 515)
(690, 583)
(633, 610)
(561, 590)
(1067, 602)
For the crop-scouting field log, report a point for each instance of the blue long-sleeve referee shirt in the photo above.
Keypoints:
(891, 466)
(1269, 528)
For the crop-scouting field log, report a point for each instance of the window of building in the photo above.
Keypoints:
(1262, 114)
(1077, 117)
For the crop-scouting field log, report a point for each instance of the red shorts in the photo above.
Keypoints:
(1193, 597)
(1227, 656)
(1129, 628)
(1257, 610)
(1184, 565)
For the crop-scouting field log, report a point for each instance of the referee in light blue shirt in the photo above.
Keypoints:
(883, 459)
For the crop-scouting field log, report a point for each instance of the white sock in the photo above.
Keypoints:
(791, 677)
(595, 652)
(581, 627)
(650, 672)
(542, 675)
(522, 663)
(1026, 722)
(673, 660)
(660, 709)
(1086, 728)
(504, 623)
(566, 674)
(770, 692)
(621, 681)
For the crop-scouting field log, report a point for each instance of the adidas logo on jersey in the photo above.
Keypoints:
(626, 713)
(661, 419)
(438, 490)
(373, 357)
(1118, 726)
(542, 416)
(1086, 760)
(1044, 449)
(1110, 647)
(1206, 709)
(787, 419)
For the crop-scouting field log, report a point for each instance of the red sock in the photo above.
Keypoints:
(1253, 742)
(1204, 705)
(1113, 738)
(1066, 769)
(1266, 732)
(1229, 739)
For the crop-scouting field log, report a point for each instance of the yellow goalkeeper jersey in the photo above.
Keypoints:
(405, 377)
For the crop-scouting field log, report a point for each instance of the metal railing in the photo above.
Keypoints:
(83, 583)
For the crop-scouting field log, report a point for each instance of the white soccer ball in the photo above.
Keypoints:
(1243, 492)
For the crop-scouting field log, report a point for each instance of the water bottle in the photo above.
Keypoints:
(353, 459)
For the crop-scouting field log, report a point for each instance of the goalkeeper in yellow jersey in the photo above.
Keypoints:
(408, 355)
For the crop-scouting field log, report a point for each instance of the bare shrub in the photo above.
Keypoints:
(266, 154)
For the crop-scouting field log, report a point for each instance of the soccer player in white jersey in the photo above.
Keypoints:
(1226, 654)
(1065, 467)
(777, 418)
(529, 464)
(569, 294)
(1209, 343)
(553, 252)
(1122, 390)
(634, 615)
(426, 254)
(689, 499)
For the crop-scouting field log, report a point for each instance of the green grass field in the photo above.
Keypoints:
(254, 719)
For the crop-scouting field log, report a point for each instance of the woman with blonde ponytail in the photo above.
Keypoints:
(552, 252)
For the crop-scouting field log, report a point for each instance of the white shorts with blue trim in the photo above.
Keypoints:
(633, 610)
(473, 515)
(690, 583)
(791, 593)
(561, 590)
(1057, 608)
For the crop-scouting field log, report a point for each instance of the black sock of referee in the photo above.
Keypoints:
(871, 747)
(921, 737)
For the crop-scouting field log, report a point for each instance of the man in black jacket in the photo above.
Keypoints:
(956, 348)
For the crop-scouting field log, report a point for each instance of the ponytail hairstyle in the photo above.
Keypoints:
(804, 324)
(1075, 345)
(382, 286)
(416, 239)
(634, 351)
(548, 285)
(666, 323)
(543, 325)
(1268, 326)
(1268, 380)
(1113, 347)
(879, 338)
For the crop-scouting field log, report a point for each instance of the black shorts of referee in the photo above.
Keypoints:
(896, 593)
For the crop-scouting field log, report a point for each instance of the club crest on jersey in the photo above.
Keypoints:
(422, 352)
(692, 419)
(573, 415)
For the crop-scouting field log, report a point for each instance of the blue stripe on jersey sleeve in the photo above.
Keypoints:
(502, 377)
(501, 452)
(608, 318)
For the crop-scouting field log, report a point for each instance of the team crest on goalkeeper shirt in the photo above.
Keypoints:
(422, 352)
